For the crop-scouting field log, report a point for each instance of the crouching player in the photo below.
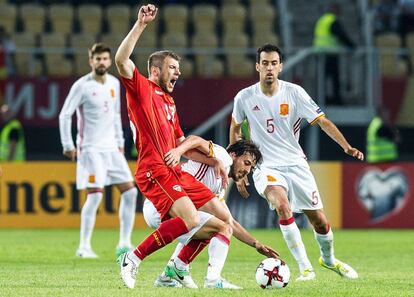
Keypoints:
(239, 159)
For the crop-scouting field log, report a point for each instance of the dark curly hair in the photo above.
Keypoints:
(244, 146)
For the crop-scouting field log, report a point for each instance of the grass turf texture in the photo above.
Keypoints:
(42, 263)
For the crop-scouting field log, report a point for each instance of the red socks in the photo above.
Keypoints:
(191, 250)
(166, 232)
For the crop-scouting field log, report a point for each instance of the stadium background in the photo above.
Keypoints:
(218, 40)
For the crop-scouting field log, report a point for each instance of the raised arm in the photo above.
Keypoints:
(146, 14)
(333, 132)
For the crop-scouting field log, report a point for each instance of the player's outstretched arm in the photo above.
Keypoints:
(244, 236)
(333, 132)
(146, 14)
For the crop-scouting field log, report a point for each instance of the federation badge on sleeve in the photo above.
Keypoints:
(284, 109)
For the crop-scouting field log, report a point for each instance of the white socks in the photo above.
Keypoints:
(127, 216)
(326, 247)
(217, 252)
(88, 216)
(293, 239)
(134, 258)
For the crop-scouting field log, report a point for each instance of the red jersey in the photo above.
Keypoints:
(152, 113)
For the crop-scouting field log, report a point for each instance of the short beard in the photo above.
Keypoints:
(101, 71)
(163, 86)
(232, 175)
(269, 81)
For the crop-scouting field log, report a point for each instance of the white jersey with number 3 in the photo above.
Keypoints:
(275, 121)
(98, 112)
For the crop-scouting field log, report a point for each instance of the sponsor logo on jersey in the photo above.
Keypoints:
(93, 93)
(284, 109)
(177, 188)
(91, 178)
(319, 110)
(159, 92)
(256, 108)
(270, 178)
(112, 93)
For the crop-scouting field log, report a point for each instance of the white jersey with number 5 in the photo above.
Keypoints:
(275, 121)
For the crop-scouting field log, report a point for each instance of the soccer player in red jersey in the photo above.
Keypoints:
(176, 194)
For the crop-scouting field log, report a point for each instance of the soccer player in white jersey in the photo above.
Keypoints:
(274, 109)
(239, 159)
(99, 147)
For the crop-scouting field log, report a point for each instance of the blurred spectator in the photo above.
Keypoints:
(329, 34)
(405, 26)
(12, 143)
(7, 47)
(406, 19)
(382, 139)
(386, 16)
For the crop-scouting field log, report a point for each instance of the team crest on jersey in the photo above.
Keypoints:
(91, 178)
(270, 178)
(284, 109)
(112, 93)
(177, 188)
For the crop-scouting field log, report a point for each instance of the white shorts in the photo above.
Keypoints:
(153, 219)
(99, 169)
(298, 182)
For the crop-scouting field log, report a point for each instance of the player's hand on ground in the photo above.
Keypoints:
(355, 153)
(147, 13)
(172, 158)
(242, 187)
(266, 250)
(220, 171)
(71, 154)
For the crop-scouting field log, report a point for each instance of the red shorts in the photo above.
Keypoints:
(165, 185)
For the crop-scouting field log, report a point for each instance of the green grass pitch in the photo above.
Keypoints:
(42, 263)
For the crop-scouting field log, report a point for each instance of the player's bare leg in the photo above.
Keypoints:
(277, 196)
(324, 236)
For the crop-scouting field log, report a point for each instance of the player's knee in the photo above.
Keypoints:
(321, 227)
(226, 230)
(192, 221)
(283, 210)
